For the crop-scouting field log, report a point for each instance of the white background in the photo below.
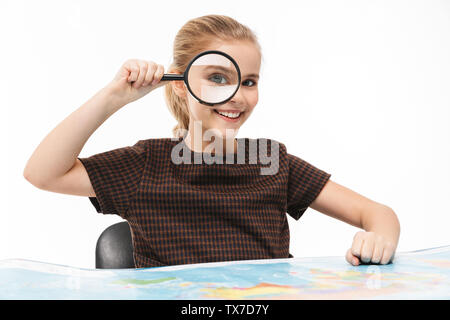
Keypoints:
(359, 89)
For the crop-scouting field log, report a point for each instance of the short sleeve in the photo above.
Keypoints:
(304, 184)
(115, 176)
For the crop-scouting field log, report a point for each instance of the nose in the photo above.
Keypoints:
(239, 97)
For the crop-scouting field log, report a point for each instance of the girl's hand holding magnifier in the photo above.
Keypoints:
(135, 79)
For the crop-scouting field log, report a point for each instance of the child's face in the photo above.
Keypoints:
(247, 56)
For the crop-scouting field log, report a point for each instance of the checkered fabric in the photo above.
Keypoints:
(183, 213)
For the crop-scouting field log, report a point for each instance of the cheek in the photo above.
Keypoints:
(198, 111)
(202, 115)
(252, 98)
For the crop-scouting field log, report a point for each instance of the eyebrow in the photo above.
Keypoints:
(226, 70)
(252, 75)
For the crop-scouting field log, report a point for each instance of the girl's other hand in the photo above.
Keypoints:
(135, 79)
(370, 247)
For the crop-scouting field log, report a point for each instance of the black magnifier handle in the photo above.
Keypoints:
(171, 76)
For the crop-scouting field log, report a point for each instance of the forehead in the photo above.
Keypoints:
(245, 53)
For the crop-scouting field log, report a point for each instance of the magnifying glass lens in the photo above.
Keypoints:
(213, 78)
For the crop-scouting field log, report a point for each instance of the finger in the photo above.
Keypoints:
(387, 255)
(150, 74)
(133, 69)
(158, 75)
(367, 249)
(351, 258)
(377, 253)
(143, 67)
(357, 244)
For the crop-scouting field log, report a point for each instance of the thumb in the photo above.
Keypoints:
(353, 260)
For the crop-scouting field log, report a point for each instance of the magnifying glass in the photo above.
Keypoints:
(212, 77)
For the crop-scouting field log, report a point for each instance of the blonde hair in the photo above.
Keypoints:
(191, 39)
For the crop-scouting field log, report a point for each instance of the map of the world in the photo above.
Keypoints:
(422, 274)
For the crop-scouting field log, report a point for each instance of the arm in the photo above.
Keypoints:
(58, 152)
(54, 165)
(382, 227)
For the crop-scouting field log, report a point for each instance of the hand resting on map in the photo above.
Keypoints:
(370, 247)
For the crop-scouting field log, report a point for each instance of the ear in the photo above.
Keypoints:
(179, 87)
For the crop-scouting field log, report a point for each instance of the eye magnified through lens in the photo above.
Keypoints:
(212, 77)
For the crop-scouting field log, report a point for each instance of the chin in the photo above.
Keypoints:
(230, 134)
(223, 133)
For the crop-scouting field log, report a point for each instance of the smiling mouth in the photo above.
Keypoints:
(225, 117)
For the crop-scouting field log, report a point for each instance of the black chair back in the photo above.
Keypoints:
(114, 248)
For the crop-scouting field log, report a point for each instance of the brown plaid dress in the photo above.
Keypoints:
(183, 213)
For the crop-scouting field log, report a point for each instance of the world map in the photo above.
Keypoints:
(422, 274)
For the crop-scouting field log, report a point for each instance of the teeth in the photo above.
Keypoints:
(229, 115)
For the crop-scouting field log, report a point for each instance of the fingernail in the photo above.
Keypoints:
(154, 82)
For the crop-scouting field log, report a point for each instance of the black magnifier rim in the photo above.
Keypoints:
(186, 76)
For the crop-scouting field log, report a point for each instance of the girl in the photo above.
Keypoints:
(191, 212)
